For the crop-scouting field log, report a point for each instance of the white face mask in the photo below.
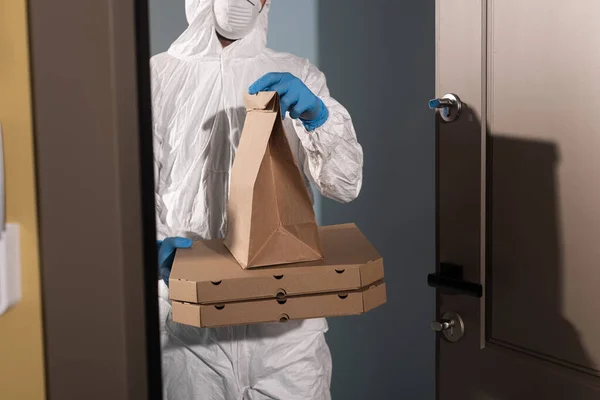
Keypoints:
(236, 18)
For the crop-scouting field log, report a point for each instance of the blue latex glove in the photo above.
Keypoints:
(295, 97)
(166, 254)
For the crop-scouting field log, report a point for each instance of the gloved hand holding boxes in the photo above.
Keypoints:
(275, 263)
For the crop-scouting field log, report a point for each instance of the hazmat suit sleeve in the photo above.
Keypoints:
(161, 231)
(157, 144)
(333, 157)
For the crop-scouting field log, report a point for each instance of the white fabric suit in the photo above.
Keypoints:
(198, 108)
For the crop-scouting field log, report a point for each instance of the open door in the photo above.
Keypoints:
(92, 128)
(518, 200)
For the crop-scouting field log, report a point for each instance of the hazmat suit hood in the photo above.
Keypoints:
(200, 38)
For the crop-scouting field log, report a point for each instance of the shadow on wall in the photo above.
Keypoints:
(527, 269)
(526, 251)
(378, 57)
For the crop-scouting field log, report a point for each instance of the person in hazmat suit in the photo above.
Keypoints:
(198, 90)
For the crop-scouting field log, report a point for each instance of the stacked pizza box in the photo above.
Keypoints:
(275, 264)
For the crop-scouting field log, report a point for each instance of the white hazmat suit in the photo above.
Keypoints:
(198, 107)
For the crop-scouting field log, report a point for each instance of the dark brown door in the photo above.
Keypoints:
(93, 156)
(519, 200)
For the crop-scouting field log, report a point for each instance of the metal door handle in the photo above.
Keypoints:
(449, 105)
(450, 278)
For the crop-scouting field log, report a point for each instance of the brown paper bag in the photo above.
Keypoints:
(270, 216)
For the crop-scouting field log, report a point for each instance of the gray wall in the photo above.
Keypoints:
(167, 21)
(293, 28)
(379, 60)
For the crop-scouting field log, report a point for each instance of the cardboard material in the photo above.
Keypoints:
(274, 310)
(270, 215)
(207, 273)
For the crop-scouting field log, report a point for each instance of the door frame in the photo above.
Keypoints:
(462, 241)
(93, 144)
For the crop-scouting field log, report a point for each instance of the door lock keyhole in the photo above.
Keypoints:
(451, 326)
